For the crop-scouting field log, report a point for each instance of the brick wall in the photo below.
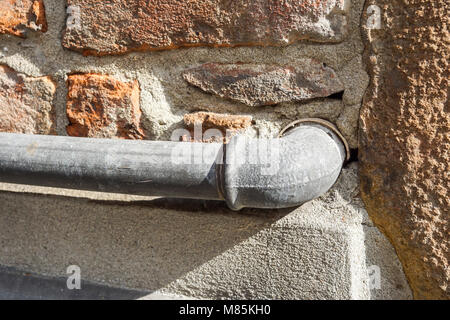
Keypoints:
(83, 68)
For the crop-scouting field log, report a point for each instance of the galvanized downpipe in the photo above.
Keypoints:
(300, 165)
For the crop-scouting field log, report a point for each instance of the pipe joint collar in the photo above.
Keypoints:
(301, 164)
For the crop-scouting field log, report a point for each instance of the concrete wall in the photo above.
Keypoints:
(321, 250)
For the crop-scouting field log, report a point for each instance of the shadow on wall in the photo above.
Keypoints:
(19, 285)
(145, 245)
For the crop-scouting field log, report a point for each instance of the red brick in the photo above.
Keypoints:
(26, 103)
(99, 106)
(18, 15)
(118, 26)
(225, 123)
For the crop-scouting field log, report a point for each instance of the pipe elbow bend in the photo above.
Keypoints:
(288, 171)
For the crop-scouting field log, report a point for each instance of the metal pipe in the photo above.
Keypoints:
(274, 173)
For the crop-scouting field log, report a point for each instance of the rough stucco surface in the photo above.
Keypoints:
(380, 253)
(405, 139)
(263, 85)
(18, 15)
(26, 103)
(118, 26)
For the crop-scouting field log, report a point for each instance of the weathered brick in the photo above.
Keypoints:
(18, 15)
(25, 103)
(99, 106)
(261, 85)
(227, 124)
(118, 26)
